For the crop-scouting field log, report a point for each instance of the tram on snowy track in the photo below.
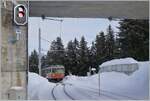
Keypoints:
(54, 73)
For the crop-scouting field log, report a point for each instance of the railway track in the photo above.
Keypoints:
(64, 91)
(84, 90)
(52, 92)
(103, 93)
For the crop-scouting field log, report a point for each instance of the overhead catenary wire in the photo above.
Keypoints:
(45, 40)
(43, 18)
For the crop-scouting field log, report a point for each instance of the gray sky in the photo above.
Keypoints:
(71, 28)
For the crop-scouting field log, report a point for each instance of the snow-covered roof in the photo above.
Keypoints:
(123, 61)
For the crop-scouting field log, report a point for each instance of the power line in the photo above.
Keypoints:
(45, 40)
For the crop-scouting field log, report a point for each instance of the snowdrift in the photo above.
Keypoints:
(127, 87)
(38, 87)
(113, 85)
(135, 86)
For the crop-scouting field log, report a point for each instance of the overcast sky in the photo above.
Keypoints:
(71, 28)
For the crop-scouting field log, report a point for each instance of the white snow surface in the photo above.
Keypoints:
(113, 85)
(39, 87)
(119, 62)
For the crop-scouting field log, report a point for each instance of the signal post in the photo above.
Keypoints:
(14, 51)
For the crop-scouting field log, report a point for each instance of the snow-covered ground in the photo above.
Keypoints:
(39, 87)
(113, 85)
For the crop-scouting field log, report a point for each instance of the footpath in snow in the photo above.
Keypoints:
(113, 86)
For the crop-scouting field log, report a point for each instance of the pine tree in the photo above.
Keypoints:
(117, 49)
(70, 58)
(43, 62)
(76, 47)
(134, 38)
(76, 58)
(83, 57)
(100, 44)
(56, 54)
(110, 43)
(33, 62)
(93, 56)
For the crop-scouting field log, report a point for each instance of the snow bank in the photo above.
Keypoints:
(135, 86)
(113, 85)
(39, 87)
(125, 87)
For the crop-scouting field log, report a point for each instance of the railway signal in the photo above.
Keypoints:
(20, 14)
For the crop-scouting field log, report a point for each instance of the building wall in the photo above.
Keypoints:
(13, 53)
(0, 50)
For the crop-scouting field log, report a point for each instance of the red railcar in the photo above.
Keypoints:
(55, 72)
